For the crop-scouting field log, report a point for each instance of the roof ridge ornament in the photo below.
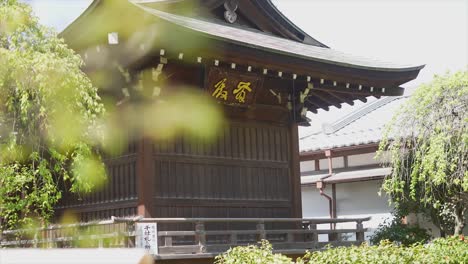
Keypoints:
(230, 13)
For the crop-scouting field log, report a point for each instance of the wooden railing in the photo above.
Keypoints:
(194, 236)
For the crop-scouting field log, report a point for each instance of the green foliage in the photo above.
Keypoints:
(48, 120)
(442, 250)
(252, 254)
(397, 232)
(448, 250)
(427, 142)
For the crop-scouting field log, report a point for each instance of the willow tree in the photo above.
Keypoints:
(427, 144)
(48, 113)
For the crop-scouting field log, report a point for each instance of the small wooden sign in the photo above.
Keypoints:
(147, 237)
(232, 88)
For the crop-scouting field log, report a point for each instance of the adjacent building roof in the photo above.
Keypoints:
(364, 125)
(348, 176)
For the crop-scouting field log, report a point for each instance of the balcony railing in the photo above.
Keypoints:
(185, 237)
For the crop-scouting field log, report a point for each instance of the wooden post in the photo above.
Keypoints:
(35, 239)
(261, 229)
(334, 211)
(295, 172)
(332, 237)
(359, 232)
(200, 236)
(168, 241)
(130, 239)
(233, 239)
(145, 177)
(314, 235)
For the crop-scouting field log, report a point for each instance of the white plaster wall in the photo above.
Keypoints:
(362, 159)
(323, 163)
(308, 165)
(337, 162)
(313, 205)
(420, 219)
(426, 223)
(361, 199)
(354, 200)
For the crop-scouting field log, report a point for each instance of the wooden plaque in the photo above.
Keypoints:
(231, 87)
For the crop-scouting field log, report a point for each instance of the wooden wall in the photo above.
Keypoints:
(250, 170)
(117, 198)
(245, 172)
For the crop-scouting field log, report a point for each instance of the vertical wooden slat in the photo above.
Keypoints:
(254, 143)
(260, 145)
(133, 180)
(202, 180)
(284, 145)
(271, 143)
(249, 183)
(188, 179)
(241, 142)
(164, 174)
(248, 144)
(234, 142)
(214, 183)
(179, 145)
(220, 142)
(262, 185)
(231, 182)
(126, 181)
(278, 147)
(122, 180)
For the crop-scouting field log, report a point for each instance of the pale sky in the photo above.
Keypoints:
(431, 32)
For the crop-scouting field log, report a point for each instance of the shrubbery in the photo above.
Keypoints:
(441, 250)
(400, 233)
(448, 250)
(252, 255)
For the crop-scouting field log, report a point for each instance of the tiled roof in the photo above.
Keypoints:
(363, 125)
(349, 176)
(260, 40)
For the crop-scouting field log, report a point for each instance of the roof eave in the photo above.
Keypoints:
(65, 33)
(281, 18)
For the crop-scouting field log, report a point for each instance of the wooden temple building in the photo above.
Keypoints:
(264, 72)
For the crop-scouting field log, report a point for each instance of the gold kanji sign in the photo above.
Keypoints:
(233, 88)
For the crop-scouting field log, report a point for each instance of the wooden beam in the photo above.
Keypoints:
(324, 96)
(354, 89)
(342, 97)
(318, 104)
(360, 98)
(340, 151)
